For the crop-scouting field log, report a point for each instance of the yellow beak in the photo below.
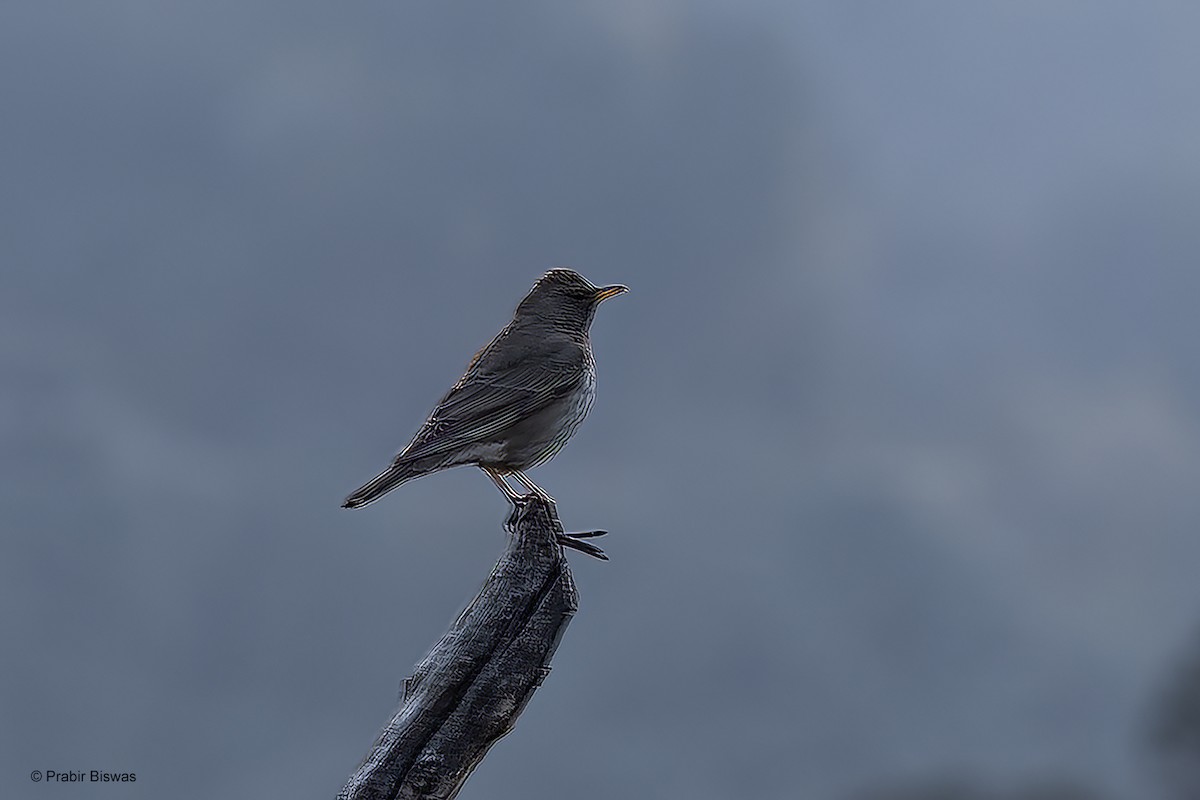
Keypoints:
(610, 291)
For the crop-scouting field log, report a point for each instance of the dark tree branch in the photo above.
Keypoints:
(475, 682)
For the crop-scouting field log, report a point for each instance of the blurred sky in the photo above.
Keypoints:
(897, 432)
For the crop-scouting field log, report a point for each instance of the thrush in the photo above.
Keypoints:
(521, 398)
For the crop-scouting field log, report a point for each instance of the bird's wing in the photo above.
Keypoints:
(494, 395)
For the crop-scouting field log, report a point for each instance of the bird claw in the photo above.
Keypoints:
(516, 502)
(576, 541)
(510, 522)
(586, 534)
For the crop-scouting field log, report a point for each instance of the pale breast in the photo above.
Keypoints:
(569, 414)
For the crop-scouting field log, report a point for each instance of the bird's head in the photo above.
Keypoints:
(564, 298)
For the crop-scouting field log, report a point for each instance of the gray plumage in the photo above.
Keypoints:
(521, 398)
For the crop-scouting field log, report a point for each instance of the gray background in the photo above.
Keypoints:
(896, 434)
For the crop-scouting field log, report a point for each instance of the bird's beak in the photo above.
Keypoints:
(610, 291)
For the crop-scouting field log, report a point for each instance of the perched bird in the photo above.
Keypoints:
(521, 399)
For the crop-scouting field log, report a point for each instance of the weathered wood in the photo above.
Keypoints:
(471, 687)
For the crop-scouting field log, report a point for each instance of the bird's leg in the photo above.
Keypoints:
(572, 540)
(502, 485)
(510, 523)
(524, 480)
(575, 541)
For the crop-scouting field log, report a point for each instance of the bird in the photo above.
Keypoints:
(521, 398)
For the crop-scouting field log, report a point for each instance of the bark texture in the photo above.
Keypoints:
(471, 687)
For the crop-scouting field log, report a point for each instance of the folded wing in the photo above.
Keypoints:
(492, 397)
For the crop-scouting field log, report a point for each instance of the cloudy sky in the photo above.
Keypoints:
(897, 432)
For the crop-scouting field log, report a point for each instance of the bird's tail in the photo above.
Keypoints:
(382, 483)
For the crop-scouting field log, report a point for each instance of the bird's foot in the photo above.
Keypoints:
(586, 534)
(517, 502)
(578, 541)
(510, 522)
(575, 541)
